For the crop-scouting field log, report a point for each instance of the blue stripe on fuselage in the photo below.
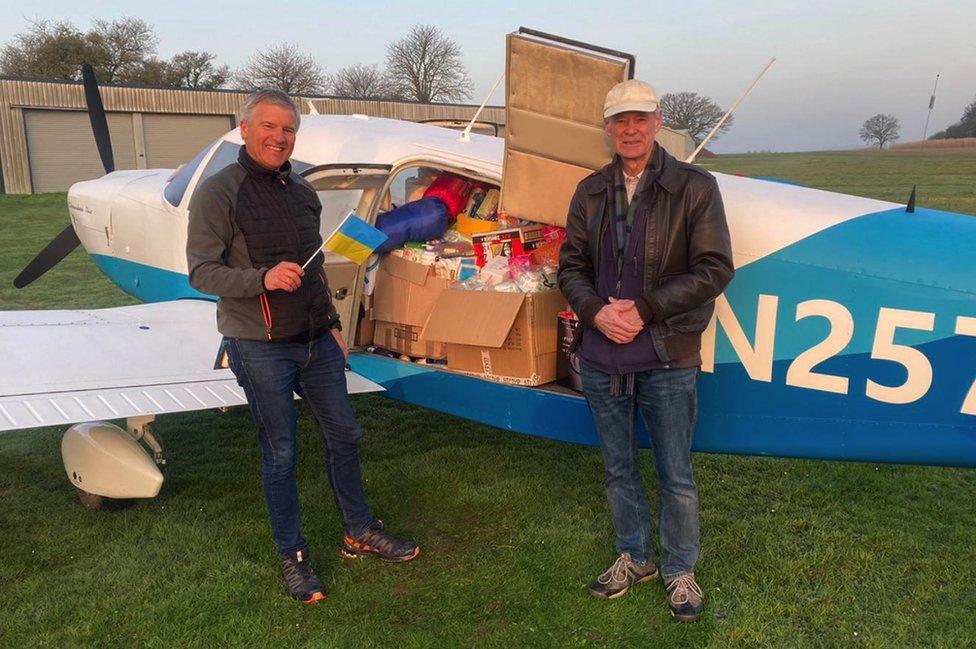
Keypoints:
(920, 262)
(147, 283)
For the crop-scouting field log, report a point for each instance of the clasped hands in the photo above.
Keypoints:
(619, 321)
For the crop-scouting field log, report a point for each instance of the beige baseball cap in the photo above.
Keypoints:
(630, 95)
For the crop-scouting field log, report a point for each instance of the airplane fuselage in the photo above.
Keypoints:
(848, 331)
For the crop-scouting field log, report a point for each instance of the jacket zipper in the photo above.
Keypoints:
(266, 313)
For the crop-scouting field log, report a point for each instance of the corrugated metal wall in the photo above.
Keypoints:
(166, 106)
(153, 113)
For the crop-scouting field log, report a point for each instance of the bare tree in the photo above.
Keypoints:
(362, 82)
(284, 67)
(153, 72)
(692, 112)
(125, 44)
(48, 50)
(881, 129)
(426, 66)
(197, 70)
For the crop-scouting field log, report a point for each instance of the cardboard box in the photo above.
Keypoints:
(406, 339)
(507, 243)
(505, 337)
(404, 296)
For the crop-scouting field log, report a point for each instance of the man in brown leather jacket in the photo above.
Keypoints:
(647, 251)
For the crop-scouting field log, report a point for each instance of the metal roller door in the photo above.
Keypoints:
(61, 147)
(172, 140)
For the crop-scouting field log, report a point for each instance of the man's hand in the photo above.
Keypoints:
(286, 276)
(342, 343)
(616, 326)
(628, 311)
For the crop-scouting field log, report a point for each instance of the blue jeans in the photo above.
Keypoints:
(270, 374)
(667, 399)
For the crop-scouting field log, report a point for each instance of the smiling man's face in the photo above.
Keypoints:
(269, 134)
(633, 133)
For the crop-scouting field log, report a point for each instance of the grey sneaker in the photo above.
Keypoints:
(302, 583)
(685, 598)
(619, 577)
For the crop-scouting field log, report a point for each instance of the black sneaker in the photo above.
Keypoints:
(685, 598)
(302, 582)
(619, 577)
(376, 542)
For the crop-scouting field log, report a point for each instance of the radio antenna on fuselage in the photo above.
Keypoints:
(717, 126)
(466, 134)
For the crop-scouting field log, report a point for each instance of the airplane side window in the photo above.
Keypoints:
(177, 185)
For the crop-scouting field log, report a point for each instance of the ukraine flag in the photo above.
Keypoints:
(354, 239)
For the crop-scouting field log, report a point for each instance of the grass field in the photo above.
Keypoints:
(795, 553)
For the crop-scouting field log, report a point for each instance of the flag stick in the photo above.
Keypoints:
(326, 240)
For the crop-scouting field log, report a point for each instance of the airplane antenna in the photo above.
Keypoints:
(931, 106)
(312, 110)
(466, 135)
(910, 208)
(715, 128)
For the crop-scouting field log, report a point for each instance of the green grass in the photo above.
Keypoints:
(945, 182)
(795, 553)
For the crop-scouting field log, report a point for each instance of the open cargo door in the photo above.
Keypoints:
(554, 135)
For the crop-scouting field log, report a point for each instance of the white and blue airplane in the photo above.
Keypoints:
(848, 333)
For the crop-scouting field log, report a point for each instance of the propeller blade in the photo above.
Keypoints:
(58, 249)
(96, 113)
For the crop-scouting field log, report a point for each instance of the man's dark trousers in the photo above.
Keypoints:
(270, 374)
(667, 400)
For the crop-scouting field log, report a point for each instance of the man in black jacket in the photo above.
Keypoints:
(647, 251)
(251, 225)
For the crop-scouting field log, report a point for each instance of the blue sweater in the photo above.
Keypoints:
(595, 348)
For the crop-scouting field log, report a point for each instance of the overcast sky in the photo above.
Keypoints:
(837, 65)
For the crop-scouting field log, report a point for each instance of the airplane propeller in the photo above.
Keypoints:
(96, 115)
(67, 240)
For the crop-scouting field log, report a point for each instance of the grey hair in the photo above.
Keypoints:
(269, 96)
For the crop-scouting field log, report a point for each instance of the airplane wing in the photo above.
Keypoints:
(64, 367)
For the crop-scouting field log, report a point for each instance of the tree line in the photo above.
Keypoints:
(425, 65)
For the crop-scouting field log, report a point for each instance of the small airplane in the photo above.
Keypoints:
(848, 333)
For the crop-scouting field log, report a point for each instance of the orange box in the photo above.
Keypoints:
(469, 226)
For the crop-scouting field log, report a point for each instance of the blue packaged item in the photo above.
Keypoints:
(468, 269)
(420, 220)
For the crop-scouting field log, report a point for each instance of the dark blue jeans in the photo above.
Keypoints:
(667, 400)
(270, 374)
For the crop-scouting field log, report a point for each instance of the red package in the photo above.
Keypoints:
(452, 190)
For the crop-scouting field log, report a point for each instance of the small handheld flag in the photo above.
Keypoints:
(354, 239)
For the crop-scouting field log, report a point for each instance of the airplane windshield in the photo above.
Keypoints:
(181, 179)
(226, 154)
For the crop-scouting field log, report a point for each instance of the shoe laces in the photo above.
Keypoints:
(618, 571)
(682, 588)
(377, 537)
(298, 572)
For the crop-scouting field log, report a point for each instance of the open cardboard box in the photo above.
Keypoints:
(506, 337)
(404, 296)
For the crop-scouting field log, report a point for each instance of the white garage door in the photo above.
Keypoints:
(61, 147)
(172, 140)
